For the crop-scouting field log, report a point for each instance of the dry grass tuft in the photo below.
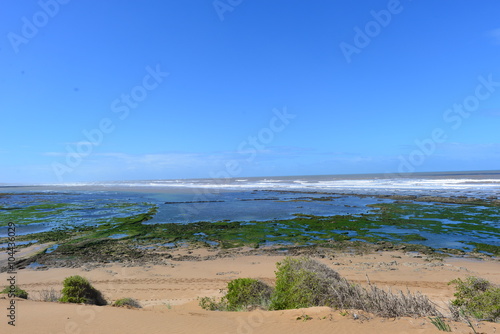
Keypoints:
(51, 295)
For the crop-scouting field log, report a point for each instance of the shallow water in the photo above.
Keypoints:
(257, 206)
(255, 199)
(70, 208)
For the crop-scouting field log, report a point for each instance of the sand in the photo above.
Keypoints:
(168, 295)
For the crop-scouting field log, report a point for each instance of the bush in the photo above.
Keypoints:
(17, 292)
(211, 304)
(78, 290)
(242, 293)
(302, 283)
(127, 302)
(477, 297)
(247, 292)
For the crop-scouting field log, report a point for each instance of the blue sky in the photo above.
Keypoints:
(120, 90)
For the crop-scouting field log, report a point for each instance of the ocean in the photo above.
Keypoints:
(479, 184)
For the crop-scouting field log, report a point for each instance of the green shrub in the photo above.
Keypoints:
(246, 292)
(305, 282)
(127, 302)
(478, 298)
(242, 293)
(17, 292)
(78, 290)
(211, 304)
(469, 289)
(302, 282)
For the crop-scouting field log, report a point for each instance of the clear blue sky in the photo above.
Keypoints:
(365, 81)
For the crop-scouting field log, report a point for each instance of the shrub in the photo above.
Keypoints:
(17, 292)
(127, 302)
(247, 292)
(78, 290)
(477, 297)
(242, 293)
(211, 304)
(302, 282)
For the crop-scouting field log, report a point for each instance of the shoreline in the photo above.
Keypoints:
(134, 238)
(36, 258)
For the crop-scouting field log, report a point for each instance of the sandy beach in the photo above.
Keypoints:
(168, 295)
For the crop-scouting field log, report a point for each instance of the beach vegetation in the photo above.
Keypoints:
(212, 304)
(301, 283)
(242, 294)
(15, 291)
(77, 289)
(247, 292)
(304, 317)
(304, 282)
(127, 302)
(440, 324)
(51, 295)
(476, 297)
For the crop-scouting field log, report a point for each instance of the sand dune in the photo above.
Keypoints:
(168, 295)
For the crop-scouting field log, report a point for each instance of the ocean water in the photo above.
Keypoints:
(480, 184)
(247, 199)
(265, 198)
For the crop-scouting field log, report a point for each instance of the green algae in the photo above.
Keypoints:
(386, 222)
(31, 213)
(438, 218)
(481, 247)
(304, 229)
